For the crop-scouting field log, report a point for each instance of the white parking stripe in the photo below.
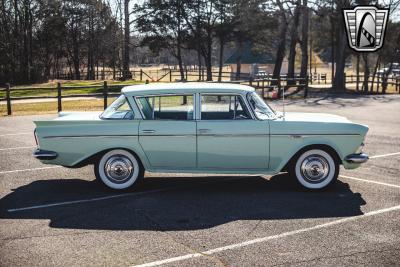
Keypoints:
(33, 169)
(267, 238)
(123, 195)
(14, 148)
(384, 155)
(369, 181)
(16, 134)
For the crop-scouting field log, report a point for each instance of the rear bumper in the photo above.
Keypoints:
(44, 154)
(357, 158)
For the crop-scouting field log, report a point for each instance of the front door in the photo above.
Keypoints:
(228, 138)
(167, 133)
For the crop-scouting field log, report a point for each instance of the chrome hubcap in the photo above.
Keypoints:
(315, 168)
(118, 168)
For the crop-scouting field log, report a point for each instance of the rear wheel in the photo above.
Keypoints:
(315, 169)
(118, 169)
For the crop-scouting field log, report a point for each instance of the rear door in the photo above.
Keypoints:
(168, 132)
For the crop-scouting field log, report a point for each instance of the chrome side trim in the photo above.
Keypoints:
(234, 135)
(89, 136)
(306, 135)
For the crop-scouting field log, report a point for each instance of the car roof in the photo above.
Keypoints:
(186, 87)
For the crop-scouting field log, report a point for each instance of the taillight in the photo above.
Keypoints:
(36, 138)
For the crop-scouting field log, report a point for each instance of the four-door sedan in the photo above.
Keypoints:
(200, 128)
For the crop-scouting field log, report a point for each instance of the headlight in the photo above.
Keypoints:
(360, 148)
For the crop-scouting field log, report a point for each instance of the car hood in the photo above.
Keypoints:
(78, 116)
(313, 117)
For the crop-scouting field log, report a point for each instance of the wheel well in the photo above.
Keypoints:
(323, 147)
(94, 158)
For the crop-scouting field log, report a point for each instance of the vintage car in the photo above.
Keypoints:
(200, 128)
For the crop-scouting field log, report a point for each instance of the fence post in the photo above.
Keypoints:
(263, 89)
(8, 99)
(105, 93)
(306, 86)
(279, 87)
(59, 97)
(141, 74)
(170, 75)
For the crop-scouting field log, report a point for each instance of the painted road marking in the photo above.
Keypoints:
(369, 181)
(385, 155)
(1, 135)
(14, 148)
(33, 169)
(122, 195)
(267, 238)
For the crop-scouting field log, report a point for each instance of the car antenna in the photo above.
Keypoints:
(283, 101)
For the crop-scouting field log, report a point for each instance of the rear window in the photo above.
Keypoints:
(118, 110)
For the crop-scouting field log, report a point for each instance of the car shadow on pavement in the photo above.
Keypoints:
(187, 203)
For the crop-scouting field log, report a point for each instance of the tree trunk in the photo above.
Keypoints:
(304, 44)
(366, 72)
(304, 41)
(125, 64)
(293, 42)
(358, 72)
(339, 82)
(239, 60)
(280, 52)
(378, 61)
(221, 59)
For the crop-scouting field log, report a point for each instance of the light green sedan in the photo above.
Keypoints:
(200, 128)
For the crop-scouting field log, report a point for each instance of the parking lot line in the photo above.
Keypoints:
(384, 155)
(267, 238)
(14, 148)
(16, 134)
(122, 195)
(369, 181)
(33, 169)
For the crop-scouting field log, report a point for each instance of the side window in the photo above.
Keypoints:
(167, 107)
(118, 110)
(223, 107)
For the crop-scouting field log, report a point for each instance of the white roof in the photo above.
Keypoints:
(186, 87)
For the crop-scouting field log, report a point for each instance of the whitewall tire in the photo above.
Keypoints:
(118, 169)
(315, 169)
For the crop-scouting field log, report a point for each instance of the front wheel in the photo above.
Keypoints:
(315, 169)
(118, 169)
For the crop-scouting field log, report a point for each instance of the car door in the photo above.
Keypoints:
(228, 137)
(167, 132)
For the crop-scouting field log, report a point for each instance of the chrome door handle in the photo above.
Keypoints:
(148, 131)
(202, 131)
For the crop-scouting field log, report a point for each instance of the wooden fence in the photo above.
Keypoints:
(105, 92)
(373, 81)
(264, 86)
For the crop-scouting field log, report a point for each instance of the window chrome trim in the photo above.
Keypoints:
(226, 94)
(135, 98)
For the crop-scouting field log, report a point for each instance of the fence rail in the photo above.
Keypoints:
(58, 90)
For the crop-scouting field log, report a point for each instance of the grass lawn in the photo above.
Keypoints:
(114, 86)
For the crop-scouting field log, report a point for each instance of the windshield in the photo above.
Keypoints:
(119, 109)
(261, 109)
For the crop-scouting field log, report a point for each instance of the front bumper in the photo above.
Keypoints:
(357, 158)
(44, 154)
